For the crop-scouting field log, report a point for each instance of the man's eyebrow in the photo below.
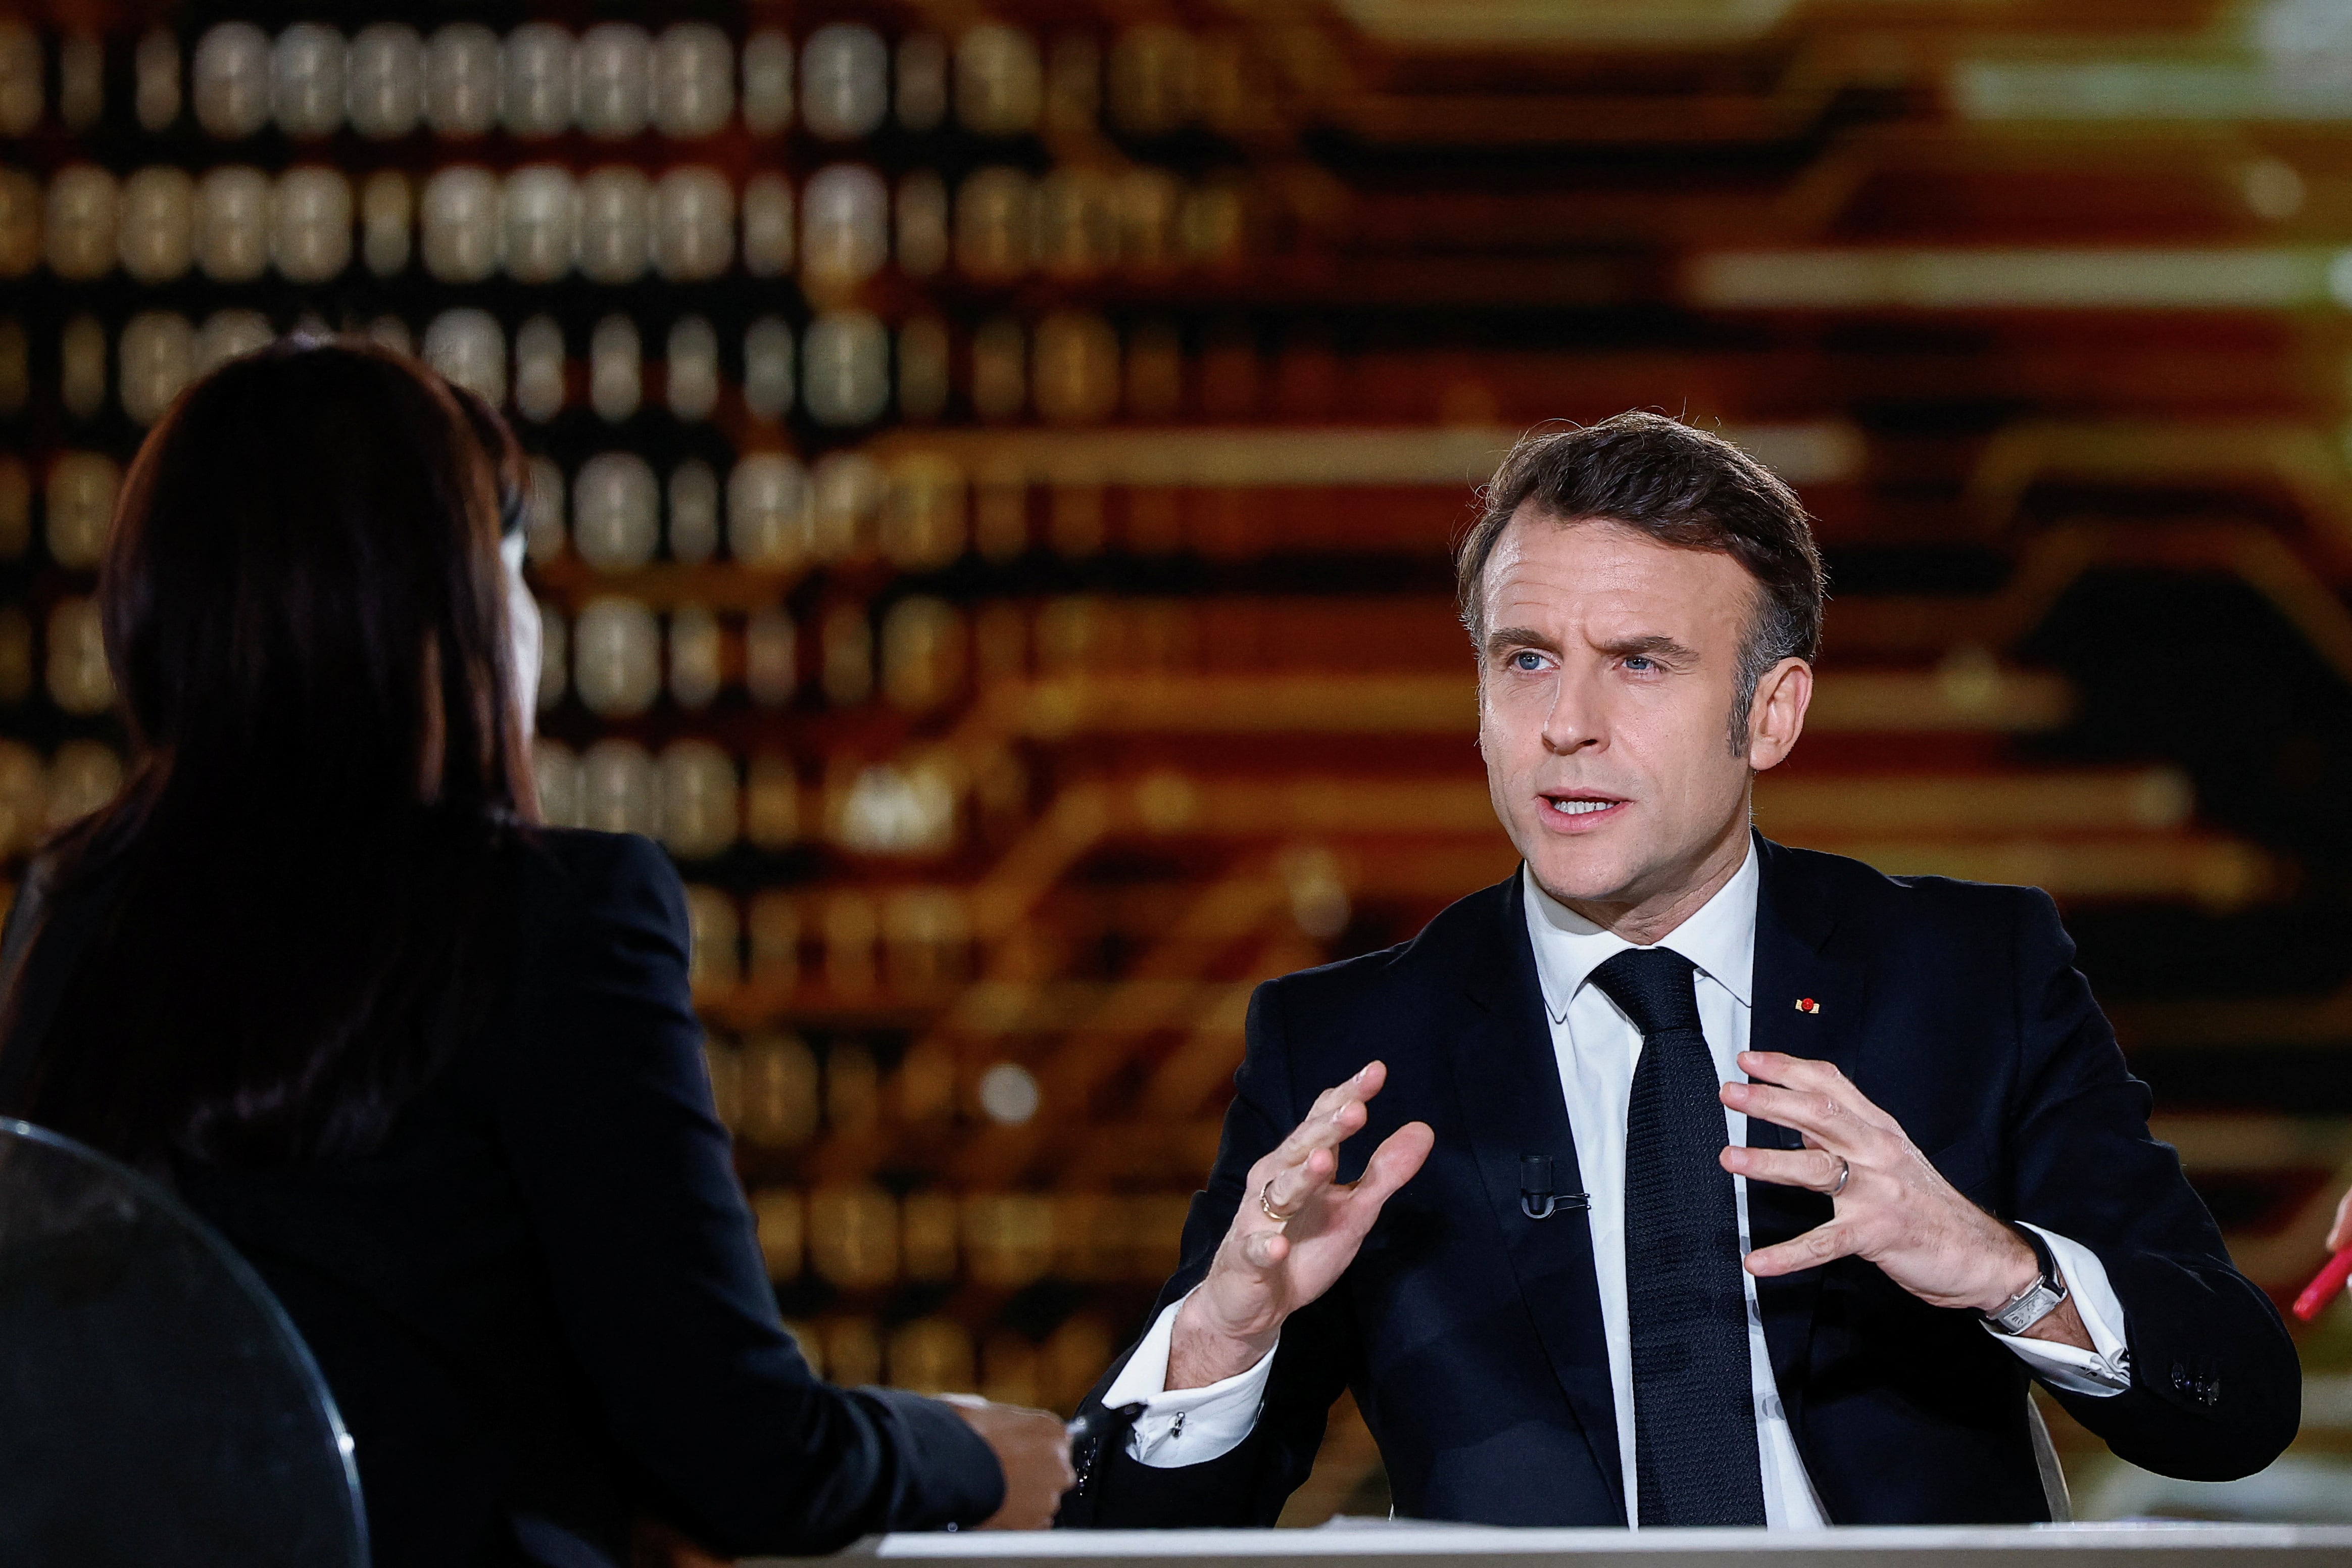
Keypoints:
(1505, 638)
(1654, 646)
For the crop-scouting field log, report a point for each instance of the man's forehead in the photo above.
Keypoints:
(1538, 553)
(1531, 527)
(1602, 581)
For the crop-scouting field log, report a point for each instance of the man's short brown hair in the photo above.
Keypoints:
(1682, 487)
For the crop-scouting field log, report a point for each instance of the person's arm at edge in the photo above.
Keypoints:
(626, 1173)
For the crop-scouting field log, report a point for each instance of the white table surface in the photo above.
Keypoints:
(2149, 1545)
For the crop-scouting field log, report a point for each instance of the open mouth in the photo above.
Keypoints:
(1580, 810)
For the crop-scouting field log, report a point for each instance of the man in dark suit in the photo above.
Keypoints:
(1681, 1178)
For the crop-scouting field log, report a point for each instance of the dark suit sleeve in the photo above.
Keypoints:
(625, 1171)
(2216, 1391)
(1316, 1357)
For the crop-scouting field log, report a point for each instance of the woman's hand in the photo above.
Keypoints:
(659, 1546)
(1034, 1447)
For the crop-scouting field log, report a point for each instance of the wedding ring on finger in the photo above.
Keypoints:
(1265, 1202)
(1844, 1170)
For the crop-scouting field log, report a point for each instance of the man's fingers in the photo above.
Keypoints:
(1795, 1072)
(1394, 1164)
(1822, 1116)
(1264, 1250)
(1811, 1250)
(1336, 1115)
(1362, 1086)
(1304, 1163)
(1815, 1168)
(1290, 1187)
(1340, 1116)
(1809, 1077)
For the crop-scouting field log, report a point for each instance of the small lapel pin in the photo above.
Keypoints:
(1806, 1005)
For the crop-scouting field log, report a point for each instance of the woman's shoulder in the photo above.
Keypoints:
(582, 873)
(598, 919)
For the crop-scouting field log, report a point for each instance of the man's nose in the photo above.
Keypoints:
(1573, 722)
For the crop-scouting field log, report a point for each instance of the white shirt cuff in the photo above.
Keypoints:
(2101, 1371)
(1191, 1425)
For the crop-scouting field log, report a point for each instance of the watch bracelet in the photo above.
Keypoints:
(2047, 1289)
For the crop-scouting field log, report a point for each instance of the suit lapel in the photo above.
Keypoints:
(1507, 1082)
(1790, 929)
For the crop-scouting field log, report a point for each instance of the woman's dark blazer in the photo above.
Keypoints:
(540, 1306)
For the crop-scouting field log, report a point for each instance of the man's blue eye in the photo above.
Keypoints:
(1637, 662)
(1527, 660)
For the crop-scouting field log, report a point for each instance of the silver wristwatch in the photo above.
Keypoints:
(2039, 1299)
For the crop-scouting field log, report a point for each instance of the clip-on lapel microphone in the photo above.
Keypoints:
(1536, 1199)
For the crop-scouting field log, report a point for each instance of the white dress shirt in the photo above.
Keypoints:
(1598, 1048)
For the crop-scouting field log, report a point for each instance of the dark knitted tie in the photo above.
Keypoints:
(1694, 1405)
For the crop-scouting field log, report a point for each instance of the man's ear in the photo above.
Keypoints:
(1777, 717)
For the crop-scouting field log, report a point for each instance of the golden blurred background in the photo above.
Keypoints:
(996, 466)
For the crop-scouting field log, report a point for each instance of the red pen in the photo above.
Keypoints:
(2320, 1291)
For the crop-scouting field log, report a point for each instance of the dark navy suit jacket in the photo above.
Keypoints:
(1471, 1334)
(540, 1305)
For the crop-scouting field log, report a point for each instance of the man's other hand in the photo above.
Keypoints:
(1268, 1268)
(1890, 1204)
(1033, 1448)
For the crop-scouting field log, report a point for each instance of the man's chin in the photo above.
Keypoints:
(1582, 876)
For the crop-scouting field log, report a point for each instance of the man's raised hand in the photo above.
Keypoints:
(1269, 1266)
(1890, 1205)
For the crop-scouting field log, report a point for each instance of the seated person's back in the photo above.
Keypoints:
(432, 1067)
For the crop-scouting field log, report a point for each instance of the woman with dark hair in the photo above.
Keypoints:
(525, 631)
(431, 1066)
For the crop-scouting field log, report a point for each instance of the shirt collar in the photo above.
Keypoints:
(1720, 939)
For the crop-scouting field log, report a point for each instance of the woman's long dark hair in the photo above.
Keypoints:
(305, 615)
